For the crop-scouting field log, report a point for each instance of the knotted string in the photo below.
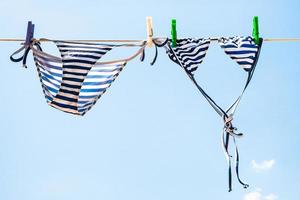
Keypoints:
(157, 43)
(230, 131)
(26, 48)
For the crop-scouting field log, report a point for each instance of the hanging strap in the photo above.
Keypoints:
(232, 108)
(229, 130)
(213, 104)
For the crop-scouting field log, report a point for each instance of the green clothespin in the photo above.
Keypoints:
(255, 32)
(173, 32)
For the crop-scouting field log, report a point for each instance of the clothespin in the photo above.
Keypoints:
(173, 32)
(255, 32)
(25, 46)
(30, 33)
(149, 31)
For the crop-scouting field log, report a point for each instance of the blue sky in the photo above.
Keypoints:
(152, 136)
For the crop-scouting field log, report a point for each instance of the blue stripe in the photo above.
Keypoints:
(47, 80)
(92, 90)
(49, 76)
(88, 97)
(98, 83)
(51, 89)
(99, 76)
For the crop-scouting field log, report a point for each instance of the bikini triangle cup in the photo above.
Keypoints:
(189, 53)
(74, 82)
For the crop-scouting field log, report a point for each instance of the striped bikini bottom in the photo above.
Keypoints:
(74, 82)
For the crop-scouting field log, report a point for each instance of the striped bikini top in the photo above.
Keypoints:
(190, 52)
(74, 82)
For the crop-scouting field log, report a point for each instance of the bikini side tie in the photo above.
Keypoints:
(26, 48)
(157, 43)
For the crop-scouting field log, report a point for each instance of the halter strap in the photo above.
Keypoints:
(227, 115)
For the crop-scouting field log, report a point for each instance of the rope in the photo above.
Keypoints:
(137, 41)
(48, 40)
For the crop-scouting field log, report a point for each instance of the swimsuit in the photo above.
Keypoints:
(74, 82)
(189, 53)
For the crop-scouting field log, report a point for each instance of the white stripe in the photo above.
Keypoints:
(48, 84)
(240, 49)
(70, 89)
(57, 78)
(105, 73)
(189, 56)
(73, 76)
(90, 87)
(46, 62)
(97, 80)
(68, 95)
(89, 100)
(65, 102)
(241, 55)
(50, 80)
(244, 60)
(246, 66)
(75, 83)
(69, 70)
(189, 46)
(89, 93)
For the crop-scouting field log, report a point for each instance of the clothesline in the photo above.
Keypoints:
(47, 40)
(136, 41)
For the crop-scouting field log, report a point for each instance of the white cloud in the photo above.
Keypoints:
(263, 166)
(271, 197)
(253, 196)
(257, 195)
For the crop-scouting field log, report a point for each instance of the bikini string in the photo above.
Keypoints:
(230, 131)
(227, 131)
(26, 49)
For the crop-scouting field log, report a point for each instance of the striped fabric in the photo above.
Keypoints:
(74, 83)
(188, 53)
(241, 49)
